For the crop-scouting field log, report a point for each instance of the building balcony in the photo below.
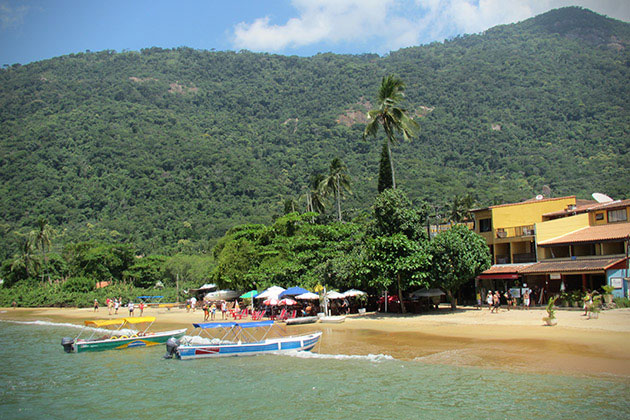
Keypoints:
(515, 232)
(516, 258)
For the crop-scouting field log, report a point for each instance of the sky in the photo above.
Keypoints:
(33, 30)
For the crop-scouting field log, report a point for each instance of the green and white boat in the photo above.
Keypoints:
(118, 334)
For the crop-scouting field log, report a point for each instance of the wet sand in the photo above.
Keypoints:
(511, 340)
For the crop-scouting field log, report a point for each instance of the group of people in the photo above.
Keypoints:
(210, 309)
(116, 303)
(494, 300)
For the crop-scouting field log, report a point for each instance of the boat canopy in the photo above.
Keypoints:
(97, 323)
(255, 324)
(139, 319)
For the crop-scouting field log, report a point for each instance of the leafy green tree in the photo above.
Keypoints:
(384, 170)
(336, 182)
(146, 271)
(458, 255)
(391, 116)
(396, 244)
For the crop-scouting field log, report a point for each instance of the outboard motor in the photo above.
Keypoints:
(68, 344)
(171, 347)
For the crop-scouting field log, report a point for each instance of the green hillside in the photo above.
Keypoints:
(169, 148)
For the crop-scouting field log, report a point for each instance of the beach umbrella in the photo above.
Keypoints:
(249, 295)
(426, 293)
(354, 293)
(334, 295)
(308, 296)
(287, 302)
(273, 291)
(292, 291)
(272, 301)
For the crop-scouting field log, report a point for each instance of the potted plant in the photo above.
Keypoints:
(595, 307)
(608, 297)
(550, 319)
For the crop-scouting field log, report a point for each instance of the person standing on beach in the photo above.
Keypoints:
(206, 311)
(526, 299)
(223, 309)
(116, 305)
(496, 300)
(193, 303)
(130, 306)
(141, 306)
(95, 305)
(478, 299)
(213, 310)
(109, 306)
(490, 300)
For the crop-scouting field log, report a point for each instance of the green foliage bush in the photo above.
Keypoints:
(622, 302)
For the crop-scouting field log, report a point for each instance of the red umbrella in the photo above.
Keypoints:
(287, 302)
(271, 301)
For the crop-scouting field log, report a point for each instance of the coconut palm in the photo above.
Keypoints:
(391, 116)
(25, 260)
(315, 200)
(336, 182)
(41, 238)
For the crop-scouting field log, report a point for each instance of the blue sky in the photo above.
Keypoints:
(32, 30)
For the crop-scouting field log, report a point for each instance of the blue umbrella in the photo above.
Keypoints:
(292, 291)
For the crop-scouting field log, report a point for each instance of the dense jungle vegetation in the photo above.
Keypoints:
(165, 150)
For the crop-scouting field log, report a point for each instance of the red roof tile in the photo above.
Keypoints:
(601, 233)
(577, 265)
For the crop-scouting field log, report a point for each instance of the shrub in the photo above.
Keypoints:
(78, 284)
(622, 302)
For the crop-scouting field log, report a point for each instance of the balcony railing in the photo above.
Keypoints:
(515, 232)
(516, 258)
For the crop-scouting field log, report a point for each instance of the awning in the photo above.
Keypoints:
(498, 276)
(578, 266)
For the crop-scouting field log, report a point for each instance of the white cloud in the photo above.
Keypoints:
(319, 21)
(392, 24)
(11, 16)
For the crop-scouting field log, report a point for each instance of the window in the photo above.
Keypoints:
(599, 216)
(617, 216)
(485, 225)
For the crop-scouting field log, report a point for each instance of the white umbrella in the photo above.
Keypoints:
(308, 296)
(353, 293)
(334, 295)
(273, 291)
(427, 293)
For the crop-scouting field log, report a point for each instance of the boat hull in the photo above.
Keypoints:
(269, 346)
(302, 320)
(128, 342)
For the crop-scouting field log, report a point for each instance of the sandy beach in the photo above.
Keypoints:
(509, 340)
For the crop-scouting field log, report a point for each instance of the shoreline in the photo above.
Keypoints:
(510, 340)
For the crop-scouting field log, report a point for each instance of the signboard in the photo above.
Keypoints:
(555, 276)
(515, 292)
(616, 282)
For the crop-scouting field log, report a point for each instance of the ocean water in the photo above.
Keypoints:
(39, 381)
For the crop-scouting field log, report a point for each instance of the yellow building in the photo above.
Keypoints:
(509, 229)
(556, 244)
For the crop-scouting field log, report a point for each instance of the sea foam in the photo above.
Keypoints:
(68, 325)
(377, 358)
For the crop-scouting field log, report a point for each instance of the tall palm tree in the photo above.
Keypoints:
(315, 199)
(460, 208)
(391, 116)
(25, 260)
(41, 238)
(336, 182)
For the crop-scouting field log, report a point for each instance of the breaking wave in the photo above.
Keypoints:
(376, 358)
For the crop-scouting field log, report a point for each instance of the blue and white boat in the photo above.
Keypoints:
(238, 339)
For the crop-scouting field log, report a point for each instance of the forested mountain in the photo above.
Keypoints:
(169, 148)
